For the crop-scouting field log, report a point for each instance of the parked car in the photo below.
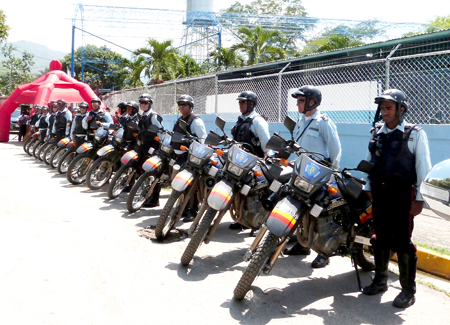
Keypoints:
(436, 189)
(14, 116)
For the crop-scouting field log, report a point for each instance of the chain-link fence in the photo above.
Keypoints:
(348, 90)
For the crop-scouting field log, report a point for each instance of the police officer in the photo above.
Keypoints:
(96, 118)
(314, 132)
(251, 128)
(401, 158)
(51, 118)
(194, 126)
(63, 120)
(36, 116)
(77, 131)
(121, 112)
(42, 124)
(147, 138)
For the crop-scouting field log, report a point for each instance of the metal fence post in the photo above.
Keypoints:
(216, 86)
(388, 66)
(279, 91)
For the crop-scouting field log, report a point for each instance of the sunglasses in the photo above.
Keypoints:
(183, 104)
(301, 100)
(242, 102)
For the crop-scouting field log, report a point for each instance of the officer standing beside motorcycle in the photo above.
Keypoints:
(97, 117)
(251, 128)
(51, 118)
(63, 120)
(147, 139)
(77, 131)
(41, 123)
(121, 113)
(401, 158)
(36, 116)
(314, 132)
(194, 126)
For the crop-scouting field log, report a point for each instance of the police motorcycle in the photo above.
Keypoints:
(156, 169)
(39, 148)
(130, 170)
(85, 155)
(325, 207)
(31, 142)
(67, 157)
(61, 148)
(242, 185)
(49, 149)
(108, 160)
(188, 181)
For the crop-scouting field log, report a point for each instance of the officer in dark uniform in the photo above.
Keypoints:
(96, 118)
(63, 120)
(194, 126)
(36, 116)
(51, 118)
(77, 131)
(401, 158)
(42, 124)
(121, 113)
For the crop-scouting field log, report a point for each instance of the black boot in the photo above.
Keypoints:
(379, 283)
(153, 200)
(407, 264)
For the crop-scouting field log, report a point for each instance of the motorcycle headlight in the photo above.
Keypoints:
(303, 185)
(195, 160)
(166, 149)
(118, 139)
(97, 138)
(232, 168)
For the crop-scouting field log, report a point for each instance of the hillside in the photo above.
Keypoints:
(42, 55)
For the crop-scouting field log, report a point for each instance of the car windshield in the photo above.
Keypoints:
(15, 114)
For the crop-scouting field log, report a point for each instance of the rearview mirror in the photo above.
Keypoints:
(159, 118)
(289, 123)
(365, 166)
(182, 124)
(213, 139)
(178, 137)
(153, 128)
(220, 122)
(276, 143)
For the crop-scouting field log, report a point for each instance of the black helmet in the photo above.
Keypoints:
(395, 96)
(144, 98)
(248, 95)
(61, 102)
(310, 92)
(75, 109)
(96, 99)
(122, 105)
(134, 105)
(37, 106)
(84, 105)
(53, 102)
(44, 107)
(186, 98)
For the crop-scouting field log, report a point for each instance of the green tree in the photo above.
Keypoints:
(259, 45)
(100, 66)
(270, 7)
(158, 61)
(438, 23)
(18, 70)
(224, 59)
(4, 29)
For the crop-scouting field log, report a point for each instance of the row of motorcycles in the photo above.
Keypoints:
(307, 198)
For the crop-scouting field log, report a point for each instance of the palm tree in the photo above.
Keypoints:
(158, 61)
(331, 42)
(224, 59)
(260, 45)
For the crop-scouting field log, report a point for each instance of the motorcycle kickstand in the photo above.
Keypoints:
(357, 271)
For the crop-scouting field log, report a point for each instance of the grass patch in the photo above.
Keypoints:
(439, 250)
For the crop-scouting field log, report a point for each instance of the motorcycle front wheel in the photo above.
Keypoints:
(199, 235)
(40, 154)
(48, 153)
(37, 148)
(99, 173)
(254, 268)
(65, 161)
(26, 144)
(56, 156)
(31, 146)
(122, 178)
(141, 191)
(76, 173)
(168, 215)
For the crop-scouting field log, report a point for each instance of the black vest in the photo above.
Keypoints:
(51, 121)
(394, 163)
(34, 119)
(78, 124)
(131, 126)
(144, 133)
(177, 128)
(242, 133)
(42, 123)
(100, 116)
(60, 121)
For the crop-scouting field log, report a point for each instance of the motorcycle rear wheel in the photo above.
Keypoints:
(65, 161)
(120, 181)
(141, 191)
(198, 236)
(36, 149)
(56, 156)
(76, 173)
(99, 173)
(40, 154)
(254, 268)
(168, 215)
(31, 146)
(364, 257)
(26, 144)
(48, 153)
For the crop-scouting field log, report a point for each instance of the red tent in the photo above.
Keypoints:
(54, 85)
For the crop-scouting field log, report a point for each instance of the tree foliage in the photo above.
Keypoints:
(18, 70)
(438, 23)
(224, 59)
(270, 7)
(4, 29)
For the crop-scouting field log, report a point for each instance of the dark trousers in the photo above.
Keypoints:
(22, 131)
(42, 133)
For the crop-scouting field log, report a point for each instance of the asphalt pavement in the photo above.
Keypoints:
(71, 256)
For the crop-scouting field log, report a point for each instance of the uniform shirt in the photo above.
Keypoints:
(68, 116)
(320, 136)
(198, 129)
(108, 120)
(418, 145)
(260, 128)
(46, 120)
(154, 119)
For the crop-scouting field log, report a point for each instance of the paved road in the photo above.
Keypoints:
(70, 256)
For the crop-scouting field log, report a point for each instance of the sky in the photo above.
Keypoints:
(49, 22)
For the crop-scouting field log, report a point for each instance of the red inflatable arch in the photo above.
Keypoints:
(54, 85)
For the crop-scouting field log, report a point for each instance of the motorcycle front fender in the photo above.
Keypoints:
(63, 142)
(183, 180)
(284, 216)
(152, 164)
(103, 151)
(85, 147)
(129, 156)
(221, 195)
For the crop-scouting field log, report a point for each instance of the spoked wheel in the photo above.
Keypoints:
(64, 162)
(26, 144)
(254, 268)
(168, 215)
(37, 148)
(48, 153)
(40, 154)
(141, 191)
(31, 146)
(198, 236)
(364, 257)
(99, 173)
(56, 156)
(122, 178)
(76, 173)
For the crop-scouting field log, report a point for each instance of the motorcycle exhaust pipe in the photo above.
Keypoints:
(210, 182)
(270, 202)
